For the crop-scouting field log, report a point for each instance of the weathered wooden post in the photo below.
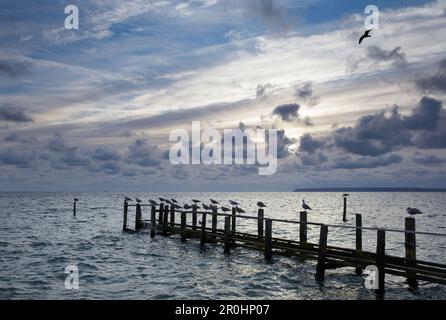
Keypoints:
(303, 228)
(160, 214)
(344, 214)
(172, 215)
(411, 254)
(166, 221)
(380, 260)
(153, 222)
(320, 268)
(358, 241)
(260, 215)
(203, 230)
(227, 245)
(183, 226)
(268, 239)
(233, 225)
(214, 222)
(194, 217)
(138, 222)
(126, 207)
(74, 207)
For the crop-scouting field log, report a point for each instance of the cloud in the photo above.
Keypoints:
(102, 154)
(435, 83)
(396, 56)
(262, 90)
(283, 144)
(287, 112)
(17, 158)
(309, 144)
(428, 159)
(14, 137)
(425, 116)
(271, 12)
(305, 92)
(14, 114)
(143, 154)
(366, 162)
(14, 68)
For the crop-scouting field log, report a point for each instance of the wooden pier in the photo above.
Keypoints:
(172, 221)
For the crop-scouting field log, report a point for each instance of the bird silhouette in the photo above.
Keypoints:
(174, 201)
(153, 202)
(345, 195)
(239, 210)
(162, 199)
(195, 201)
(413, 211)
(178, 207)
(365, 35)
(214, 201)
(261, 204)
(206, 207)
(234, 203)
(187, 206)
(224, 209)
(76, 199)
(138, 200)
(128, 199)
(305, 206)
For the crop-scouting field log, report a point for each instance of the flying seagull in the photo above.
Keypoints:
(224, 209)
(365, 35)
(305, 206)
(261, 204)
(138, 200)
(128, 199)
(413, 211)
(239, 210)
(214, 201)
(234, 203)
(195, 201)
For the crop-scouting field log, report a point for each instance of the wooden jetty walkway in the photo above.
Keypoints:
(166, 220)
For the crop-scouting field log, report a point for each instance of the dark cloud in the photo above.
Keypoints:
(347, 162)
(435, 83)
(287, 112)
(427, 160)
(17, 158)
(396, 56)
(102, 154)
(13, 114)
(143, 154)
(14, 137)
(111, 168)
(14, 68)
(57, 144)
(312, 159)
(261, 90)
(309, 144)
(305, 92)
(283, 144)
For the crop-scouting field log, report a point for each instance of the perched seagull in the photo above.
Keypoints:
(162, 199)
(234, 203)
(128, 199)
(153, 202)
(239, 210)
(214, 201)
(413, 211)
(168, 201)
(178, 207)
(76, 199)
(138, 200)
(187, 206)
(261, 204)
(345, 195)
(174, 201)
(365, 35)
(224, 209)
(206, 207)
(195, 201)
(305, 206)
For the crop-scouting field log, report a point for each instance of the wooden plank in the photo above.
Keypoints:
(183, 227)
(268, 239)
(172, 214)
(160, 214)
(214, 221)
(260, 215)
(358, 241)
(153, 222)
(138, 223)
(344, 213)
(166, 220)
(203, 230)
(126, 208)
(411, 255)
(233, 225)
(320, 267)
(303, 227)
(380, 260)
(194, 217)
(74, 208)
(227, 235)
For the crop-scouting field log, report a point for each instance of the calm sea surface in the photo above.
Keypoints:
(39, 237)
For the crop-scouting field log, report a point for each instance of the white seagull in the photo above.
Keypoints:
(413, 211)
(128, 199)
(261, 204)
(305, 206)
(234, 203)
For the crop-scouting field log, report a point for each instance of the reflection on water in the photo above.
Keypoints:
(39, 237)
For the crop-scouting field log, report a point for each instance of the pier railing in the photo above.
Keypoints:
(162, 220)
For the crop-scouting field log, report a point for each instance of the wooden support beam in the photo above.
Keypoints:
(233, 225)
(411, 254)
(358, 242)
(320, 268)
(344, 214)
(166, 221)
(260, 215)
(268, 239)
(227, 245)
(153, 222)
(74, 208)
(380, 260)
(138, 222)
(203, 230)
(172, 215)
(214, 221)
(303, 228)
(183, 227)
(126, 208)
(160, 214)
(194, 217)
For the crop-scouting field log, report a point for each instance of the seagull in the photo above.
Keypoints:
(195, 201)
(365, 35)
(413, 211)
(206, 207)
(305, 206)
(178, 207)
(76, 199)
(174, 201)
(239, 210)
(128, 199)
(187, 206)
(162, 199)
(214, 201)
(138, 200)
(168, 201)
(345, 195)
(261, 204)
(153, 202)
(224, 209)
(234, 203)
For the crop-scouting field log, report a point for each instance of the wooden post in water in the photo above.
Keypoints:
(233, 225)
(260, 215)
(411, 254)
(380, 260)
(74, 207)
(214, 222)
(166, 220)
(268, 239)
(172, 215)
(358, 241)
(138, 222)
(203, 230)
(194, 217)
(160, 214)
(344, 214)
(126, 207)
(227, 244)
(183, 226)
(153, 222)
(303, 228)
(320, 268)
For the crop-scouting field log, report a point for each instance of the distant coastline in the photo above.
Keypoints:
(371, 189)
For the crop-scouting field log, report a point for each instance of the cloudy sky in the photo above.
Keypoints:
(92, 109)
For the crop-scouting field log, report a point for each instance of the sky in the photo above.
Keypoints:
(92, 109)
